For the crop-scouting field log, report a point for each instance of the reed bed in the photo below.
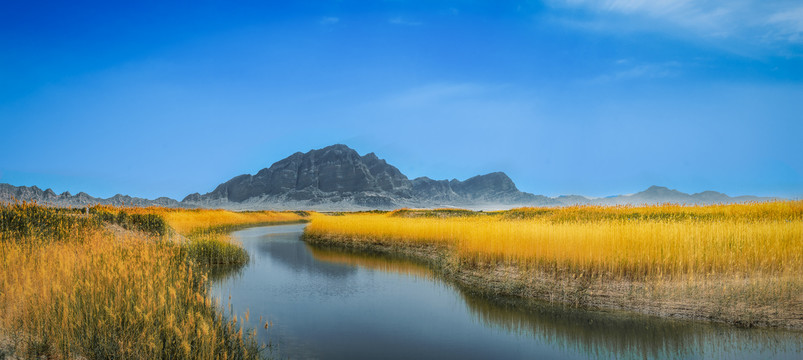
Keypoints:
(188, 221)
(633, 242)
(202, 233)
(739, 264)
(73, 285)
(207, 231)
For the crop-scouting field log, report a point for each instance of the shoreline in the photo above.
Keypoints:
(703, 300)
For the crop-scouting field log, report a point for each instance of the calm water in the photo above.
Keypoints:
(329, 304)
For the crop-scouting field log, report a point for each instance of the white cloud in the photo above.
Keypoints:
(329, 20)
(398, 20)
(755, 21)
(627, 70)
(788, 23)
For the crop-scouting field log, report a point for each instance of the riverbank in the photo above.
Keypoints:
(700, 300)
(759, 298)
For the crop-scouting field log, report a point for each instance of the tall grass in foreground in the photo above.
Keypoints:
(73, 287)
(633, 242)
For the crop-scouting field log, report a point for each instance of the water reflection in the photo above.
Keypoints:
(620, 335)
(597, 334)
(222, 272)
(300, 260)
(330, 303)
(398, 265)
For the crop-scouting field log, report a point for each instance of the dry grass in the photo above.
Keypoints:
(78, 285)
(735, 263)
(187, 221)
(202, 233)
(209, 242)
(633, 242)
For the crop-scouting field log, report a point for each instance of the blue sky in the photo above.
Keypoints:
(567, 97)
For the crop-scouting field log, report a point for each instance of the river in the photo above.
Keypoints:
(327, 304)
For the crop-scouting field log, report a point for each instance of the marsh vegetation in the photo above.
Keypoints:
(739, 264)
(108, 282)
(330, 302)
(105, 281)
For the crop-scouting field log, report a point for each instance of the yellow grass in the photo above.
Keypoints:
(76, 285)
(203, 234)
(739, 264)
(668, 240)
(209, 242)
(103, 298)
(185, 221)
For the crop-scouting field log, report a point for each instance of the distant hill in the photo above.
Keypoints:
(10, 193)
(661, 195)
(338, 178)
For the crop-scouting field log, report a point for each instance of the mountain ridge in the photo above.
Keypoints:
(10, 193)
(337, 174)
(338, 178)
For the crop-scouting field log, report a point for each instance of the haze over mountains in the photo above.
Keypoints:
(11, 193)
(338, 178)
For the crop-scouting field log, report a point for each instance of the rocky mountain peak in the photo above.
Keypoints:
(657, 189)
(660, 191)
(338, 178)
(337, 173)
(493, 182)
(316, 174)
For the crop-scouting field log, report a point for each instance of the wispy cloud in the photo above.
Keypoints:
(329, 20)
(788, 23)
(625, 69)
(398, 20)
(755, 21)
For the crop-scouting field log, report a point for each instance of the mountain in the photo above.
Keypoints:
(338, 178)
(569, 200)
(493, 188)
(660, 194)
(11, 193)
